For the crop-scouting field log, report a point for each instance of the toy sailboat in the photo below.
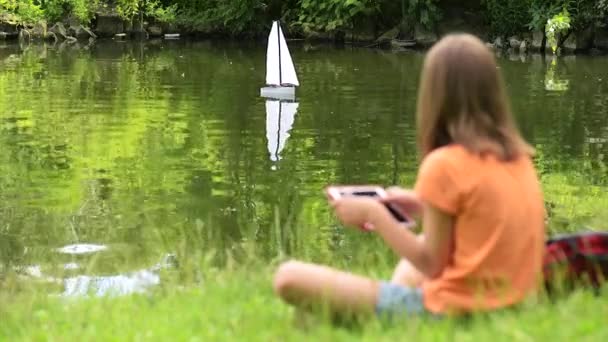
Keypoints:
(281, 78)
(280, 116)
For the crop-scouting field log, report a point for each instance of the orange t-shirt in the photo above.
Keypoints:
(499, 229)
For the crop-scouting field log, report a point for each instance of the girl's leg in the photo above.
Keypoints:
(304, 284)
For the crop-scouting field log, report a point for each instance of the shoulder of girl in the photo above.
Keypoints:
(449, 154)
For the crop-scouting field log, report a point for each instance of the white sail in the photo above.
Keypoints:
(279, 65)
(272, 57)
(279, 121)
(288, 71)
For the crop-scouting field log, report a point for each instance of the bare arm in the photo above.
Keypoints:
(430, 254)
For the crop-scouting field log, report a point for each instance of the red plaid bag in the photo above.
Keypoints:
(576, 259)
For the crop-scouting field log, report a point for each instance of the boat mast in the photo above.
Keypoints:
(279, 43)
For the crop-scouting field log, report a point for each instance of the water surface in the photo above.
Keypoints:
(166, 147)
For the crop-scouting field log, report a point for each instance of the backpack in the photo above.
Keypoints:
(579, 259)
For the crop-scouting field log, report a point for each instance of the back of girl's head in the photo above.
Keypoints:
(462, 100)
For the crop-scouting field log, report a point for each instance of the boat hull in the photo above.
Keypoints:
(286, 93)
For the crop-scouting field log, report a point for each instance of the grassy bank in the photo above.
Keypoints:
(205, 299)
(574, 204)
(239, 304)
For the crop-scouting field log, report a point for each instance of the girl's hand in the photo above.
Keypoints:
(406, 200)
(356, 211)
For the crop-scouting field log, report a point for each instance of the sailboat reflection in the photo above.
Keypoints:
(280, 116)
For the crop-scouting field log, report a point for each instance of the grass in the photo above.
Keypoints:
(202, 302)
(574, 203)
(239, 305)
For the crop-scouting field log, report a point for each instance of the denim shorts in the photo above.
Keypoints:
(397, 300)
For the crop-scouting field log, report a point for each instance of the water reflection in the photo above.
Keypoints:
(280, 116)
(553, 82)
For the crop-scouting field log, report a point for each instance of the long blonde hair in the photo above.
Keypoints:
(462, 100)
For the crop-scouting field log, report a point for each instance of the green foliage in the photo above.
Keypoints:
(541, 11)
(163, 14)
(507, 18)
(232, 17)
(315, 15)
(253, 16)
(423, 12)
(21, 11)
(128, 8)
(237, 16)
(83, 10)
(582, 13)
(559, 24)
(602, 6)
(517, 16)
(586, 12)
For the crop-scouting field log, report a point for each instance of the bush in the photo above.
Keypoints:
(319, 15)
(162, 14)
(151, 8)
(507, 18)
(232, 17)
(83, 10)
(22, 11)
(423, 12)
(516, 16)
(558, 25)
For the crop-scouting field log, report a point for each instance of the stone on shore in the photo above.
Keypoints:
(59, 30)
(601, 39)
(155, 31)
(389, 35)
(537, 40)
(523, 47)
(39, 30)
(514, 43)
(81, 32)
(108, 25)
(424, 37)
(498, 44)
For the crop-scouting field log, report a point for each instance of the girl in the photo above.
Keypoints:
(478, 196)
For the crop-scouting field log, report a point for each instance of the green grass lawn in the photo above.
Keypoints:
(240, 305)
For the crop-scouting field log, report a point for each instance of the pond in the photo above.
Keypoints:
(136, 151)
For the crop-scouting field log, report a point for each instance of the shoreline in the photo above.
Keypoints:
(114, 28)
(506, 53)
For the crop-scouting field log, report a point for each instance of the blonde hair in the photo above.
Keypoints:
(462, 100)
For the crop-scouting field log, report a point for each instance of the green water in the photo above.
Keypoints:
(159, 148)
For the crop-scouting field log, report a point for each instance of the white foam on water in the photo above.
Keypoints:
(71, 266)
(116, 285)
(81, 248)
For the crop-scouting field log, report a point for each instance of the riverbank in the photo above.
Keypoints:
(110, 23)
